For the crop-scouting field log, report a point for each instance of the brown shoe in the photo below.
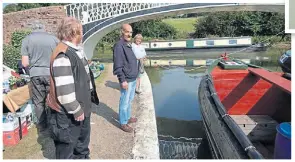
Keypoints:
(126, 128)
(132, 120)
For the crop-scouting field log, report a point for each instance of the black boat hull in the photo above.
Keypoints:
(223, 142)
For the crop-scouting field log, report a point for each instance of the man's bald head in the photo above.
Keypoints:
(126, 31)
(126, 27)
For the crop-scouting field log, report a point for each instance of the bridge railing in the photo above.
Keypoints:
(90, 12)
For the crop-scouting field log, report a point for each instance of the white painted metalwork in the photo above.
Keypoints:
(90, 12)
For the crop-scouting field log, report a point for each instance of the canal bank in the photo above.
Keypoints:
(146, 145)
(107, 140)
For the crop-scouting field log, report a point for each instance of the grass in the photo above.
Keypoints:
(103, 57)
(182, 24)
(27, 146)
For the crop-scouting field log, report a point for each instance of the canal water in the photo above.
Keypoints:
(175, 92)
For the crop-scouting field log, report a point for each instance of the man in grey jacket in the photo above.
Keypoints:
(36, 50)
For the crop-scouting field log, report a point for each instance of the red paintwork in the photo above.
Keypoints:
(273, 78)
(243, 93)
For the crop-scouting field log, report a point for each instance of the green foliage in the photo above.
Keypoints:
(270, 39)
(13, 80)
(11, 52)
(231, 24)
(10, 56)
(183, 26)
(112, 37)
(10, 8)
(260, 25)
(154, 28)
(150, 29)
(18, 36)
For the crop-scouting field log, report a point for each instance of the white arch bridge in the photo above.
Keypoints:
(98, 19)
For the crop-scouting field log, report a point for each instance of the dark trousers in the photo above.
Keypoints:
(40, 89)
(71, 138)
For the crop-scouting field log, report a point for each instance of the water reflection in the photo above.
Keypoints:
(272, 53)
(175, 93)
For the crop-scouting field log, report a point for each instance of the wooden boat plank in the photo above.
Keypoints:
(253, 119)
(257, 127)
(272, 78)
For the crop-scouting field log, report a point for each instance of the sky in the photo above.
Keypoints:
(5, 4)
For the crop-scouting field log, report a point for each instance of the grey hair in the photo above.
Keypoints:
(69, 28)
(35, 25)
(138, 36)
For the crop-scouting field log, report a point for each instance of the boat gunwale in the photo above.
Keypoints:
(244, 141)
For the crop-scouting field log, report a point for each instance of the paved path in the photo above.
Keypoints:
(107, 140)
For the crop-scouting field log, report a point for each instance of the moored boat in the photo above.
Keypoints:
(246, 111)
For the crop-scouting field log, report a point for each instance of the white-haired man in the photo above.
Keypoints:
(36, 50)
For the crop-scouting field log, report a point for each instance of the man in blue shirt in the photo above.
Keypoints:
(126, 69)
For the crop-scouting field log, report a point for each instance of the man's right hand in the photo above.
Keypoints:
(124, 85)
(80, 118)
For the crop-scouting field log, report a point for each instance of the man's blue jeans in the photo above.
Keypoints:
(125, 102)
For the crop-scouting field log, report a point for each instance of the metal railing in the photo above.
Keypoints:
(90, 12)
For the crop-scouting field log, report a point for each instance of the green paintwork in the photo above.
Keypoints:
(189, 43)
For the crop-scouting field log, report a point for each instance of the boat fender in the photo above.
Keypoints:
(224, 115)
(213, 94)
(250, 147)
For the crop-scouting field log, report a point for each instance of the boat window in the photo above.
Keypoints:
(232, 41)
(210, 43)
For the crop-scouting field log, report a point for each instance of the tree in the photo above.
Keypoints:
(154, 28)
(10, 8)
(230, 24)
(148, 28)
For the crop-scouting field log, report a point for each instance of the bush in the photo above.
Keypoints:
(10, 56)
(17, 37)
(11, 52)
(154, 28)
(231, 24)
(270, 39)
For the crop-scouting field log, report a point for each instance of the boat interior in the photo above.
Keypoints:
(257, 100)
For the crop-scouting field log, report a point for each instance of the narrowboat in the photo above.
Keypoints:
(246, 110)
(201, 43)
